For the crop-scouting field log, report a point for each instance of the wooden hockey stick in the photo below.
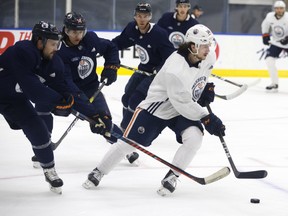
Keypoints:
(207, 180)
(242, 175)
(55, 146)
(224, 97)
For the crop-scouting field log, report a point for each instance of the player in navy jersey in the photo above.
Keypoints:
(24, 67)
(177, 23)
(153, 47)
(79, 50)
(176, 99)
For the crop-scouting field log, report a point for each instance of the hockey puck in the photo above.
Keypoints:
(254, 200)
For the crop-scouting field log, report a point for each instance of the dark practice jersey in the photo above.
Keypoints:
(80, 60)
(176, 29)
(153, 47)
(24, 74)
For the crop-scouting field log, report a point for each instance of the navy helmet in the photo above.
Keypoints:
(182, 2)
(143, 8)
(74, 21)
(44, 30)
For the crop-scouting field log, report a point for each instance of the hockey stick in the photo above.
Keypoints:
(224, 97)
(207, 180)
(242, 175)
(55, 146)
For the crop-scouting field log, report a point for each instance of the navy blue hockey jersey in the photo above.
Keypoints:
(80, 61)
(153, 47)
(176, 29)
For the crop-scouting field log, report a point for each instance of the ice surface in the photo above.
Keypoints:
(256, 136)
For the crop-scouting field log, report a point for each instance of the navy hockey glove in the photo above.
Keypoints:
(109, 72)
(102, 125)
(266, 39)
(64, 106)
(284, 41)
(207, 95)
(213, 125)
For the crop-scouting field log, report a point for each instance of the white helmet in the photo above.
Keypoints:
(199, 35)
(279, 4)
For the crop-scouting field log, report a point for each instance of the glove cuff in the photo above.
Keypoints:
(113, 67)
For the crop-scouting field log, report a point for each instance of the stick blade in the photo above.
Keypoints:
(217, 176)
(252, 175)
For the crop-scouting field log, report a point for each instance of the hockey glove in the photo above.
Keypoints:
(207, 95)
(284, 41)
(109, 72)
(213, 125)
(266, 39)
(102, 125)
(64, 106)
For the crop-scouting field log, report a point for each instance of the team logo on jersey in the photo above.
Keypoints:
(198, 87)
(143, 54)
(176, 38)
(85, 67)
(279, 31)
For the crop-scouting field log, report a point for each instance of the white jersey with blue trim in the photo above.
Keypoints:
(278, 28)
(177, 87)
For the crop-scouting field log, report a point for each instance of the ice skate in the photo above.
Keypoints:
(93, 180)
(272, 88)
(169, 184)
(36, 163)
(132, 158)
(53, 179)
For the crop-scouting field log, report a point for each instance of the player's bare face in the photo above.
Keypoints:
(75, 36)
(50, 48)
(279, 11)
(203, 51)
(142, 20)
(182, 11)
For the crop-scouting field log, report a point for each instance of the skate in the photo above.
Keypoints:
(169, 184)
(54, 181)
(93, 180)
(36, 163)
(132, 158)
(272, 88)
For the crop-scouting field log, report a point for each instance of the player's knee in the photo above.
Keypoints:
(135, 100)
(192, 137)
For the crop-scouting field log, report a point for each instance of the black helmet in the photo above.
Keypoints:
(182, 2)
(143, 8)
(74, 21)
(45, 30)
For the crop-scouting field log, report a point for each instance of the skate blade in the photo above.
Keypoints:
(88, 185)
(57, 190)
(163, 191)
(36, 165)
(135, 163)
(272, 91)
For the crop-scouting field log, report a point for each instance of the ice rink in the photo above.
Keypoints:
(256, 135)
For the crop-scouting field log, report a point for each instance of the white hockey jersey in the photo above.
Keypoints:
(177, 87)
(278, 28)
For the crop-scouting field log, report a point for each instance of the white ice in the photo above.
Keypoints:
(256, 136)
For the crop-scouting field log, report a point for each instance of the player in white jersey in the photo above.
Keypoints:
(176, 99)
(275, 24)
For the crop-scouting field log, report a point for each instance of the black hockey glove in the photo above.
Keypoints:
(207, 95)
(284, 41)
(109, 72)
(213, 125)
(64, 106)
(103, 124)
(266, 39)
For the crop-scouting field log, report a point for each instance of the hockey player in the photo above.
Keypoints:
(24, 67)
(177, 23)
(275, 23)
(153, 47)
(79, 50)
(176, 99)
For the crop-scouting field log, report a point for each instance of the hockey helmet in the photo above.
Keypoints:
(74, 21)
(182, 2)
(199, 35)
(279, 4)
(143, 8)
(45, 30)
